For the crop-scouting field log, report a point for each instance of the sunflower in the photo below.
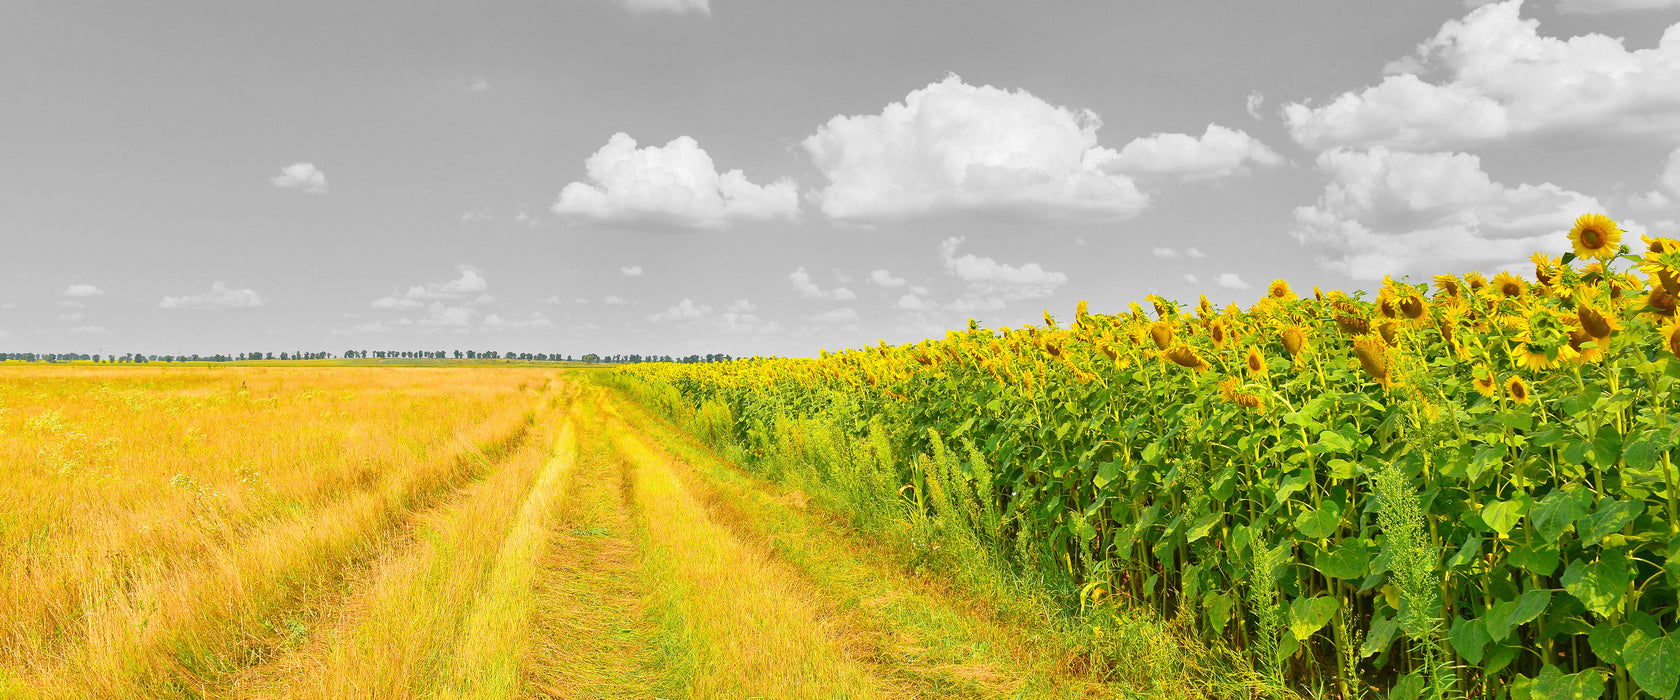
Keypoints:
(1185, 356)
(1162, 333)
(1475, 281)
(1482, 378)
(1671, 337)
(1595, 236)
(1294, 340)
(1280, 291)
(1414, 309)
(1216, 331)
(1447, 286)
(1596, 322)
(1204, 308)
(1587, 348)
(1447, 323)
(1658, 246)
(1517, 389)
(1163, 308)
(1251, 401)
(1508, 285)
(1373, 357)
(1349, 318)
(1545, 267)
(1317, 293)
(1228, 388)
(1255, 361)
(1389, 330)
(1661, 302)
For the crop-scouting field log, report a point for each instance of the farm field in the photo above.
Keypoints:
(470, 532)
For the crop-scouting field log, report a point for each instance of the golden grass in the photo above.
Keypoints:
(166, 527)
(743, 625)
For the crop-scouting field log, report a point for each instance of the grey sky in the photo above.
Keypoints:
(222, 177)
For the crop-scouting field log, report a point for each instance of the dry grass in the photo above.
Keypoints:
(164, 528)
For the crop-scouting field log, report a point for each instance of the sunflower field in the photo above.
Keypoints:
(1462, 488)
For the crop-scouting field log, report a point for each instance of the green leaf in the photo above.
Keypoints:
(1552, 684)
(1503, 515)
(1606, 447)
(1307, 615)
(1341, 469)
(1203, 525)
(1538, 558)
(1641, 454)
(1469, 638)
(1296, 481)
(1218, 607)
(1318, 523)
(1223, 484)
(1380, 636)
(1331, 442)
(1487, 457)
(1519, 420)
(1610, 517)
(1558, 510)
(1498, 658)
(1654, 663)
(1469, 552)
(1106, 474)
(1503, 616)
(1607, 641)
(1599, 585)
(1573, 450)
(1346, 561)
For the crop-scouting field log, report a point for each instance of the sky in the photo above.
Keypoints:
(778, 177)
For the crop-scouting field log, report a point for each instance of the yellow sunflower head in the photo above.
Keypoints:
(1373, 358)
(1204, 307)
(1447, 286)
(1317, 293)
(1412, 307)
(1658, 246)
(1482, 378)
(1584, 347)
(1163, 308)
(1475, 281)
(1545, 267)
(1600, 323)
(1252, 402)
(1228, 388)
(1280, 291)
(1508, 285)
(1216, 331)
(1294, 340)
(1595, 236)
(1671, 337)
(1162, 333)
(1389, 330)
(1255, 361)
(1185, 356)
(1517, 389)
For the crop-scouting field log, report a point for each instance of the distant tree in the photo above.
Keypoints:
(591, 358)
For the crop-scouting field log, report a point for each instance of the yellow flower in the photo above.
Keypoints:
(1373, 357)
(1294, 340)
(1255, 361)
(1509, 285)
(1671, 337)
(1482, 378)
(1162, 333)
(1448, 286)
(1595, 236)
(1280, 291)
(1185, 356)
(1216, 331)
(1517, 389)
(1545, 267)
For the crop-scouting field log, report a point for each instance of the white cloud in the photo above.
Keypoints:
(495, 322)
(1594, 7)
(71, 317)
(303, 176)
(1504, 80)
(992, 278)
(551, 299)
(614, 301)
(1230, 280)
(1667, 186)
(1387, 212)
(801, 281)
(83, 291)
(885, 279)
(470, 287)
(631, 271)
(951, 148)
(1255, 100)
(738, 318)
(69, 304)
(911, 302)
(1195, 253)
(476, 216)
(1163, 252)
(441, 315)
(675, 184)
(8, 306)
(478, 85)
(1190, 278)
(220, 296)
(685, 310)
(675, 6)
(1220, 152)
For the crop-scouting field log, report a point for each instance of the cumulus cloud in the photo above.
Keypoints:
(1163, 252)
(454, 305)
(614, 301)
(1255, 99)
(470, 285)
(885, 279)
(301, 176)
(738, 318)
(1191, 278)
(674, 6)
(807, 288)
(631, 271)
(478, 85)
(1195, 253)
(1667, 191)
(1596, 7)
(220, 296)
(83, 291)
(1389, 212)
(675, 184)
(951, 148)
(1229, 280)
(1220, 152)
(990, 277)
(530, 321)
(840, 316)
(685, 310)
(1503, 80)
